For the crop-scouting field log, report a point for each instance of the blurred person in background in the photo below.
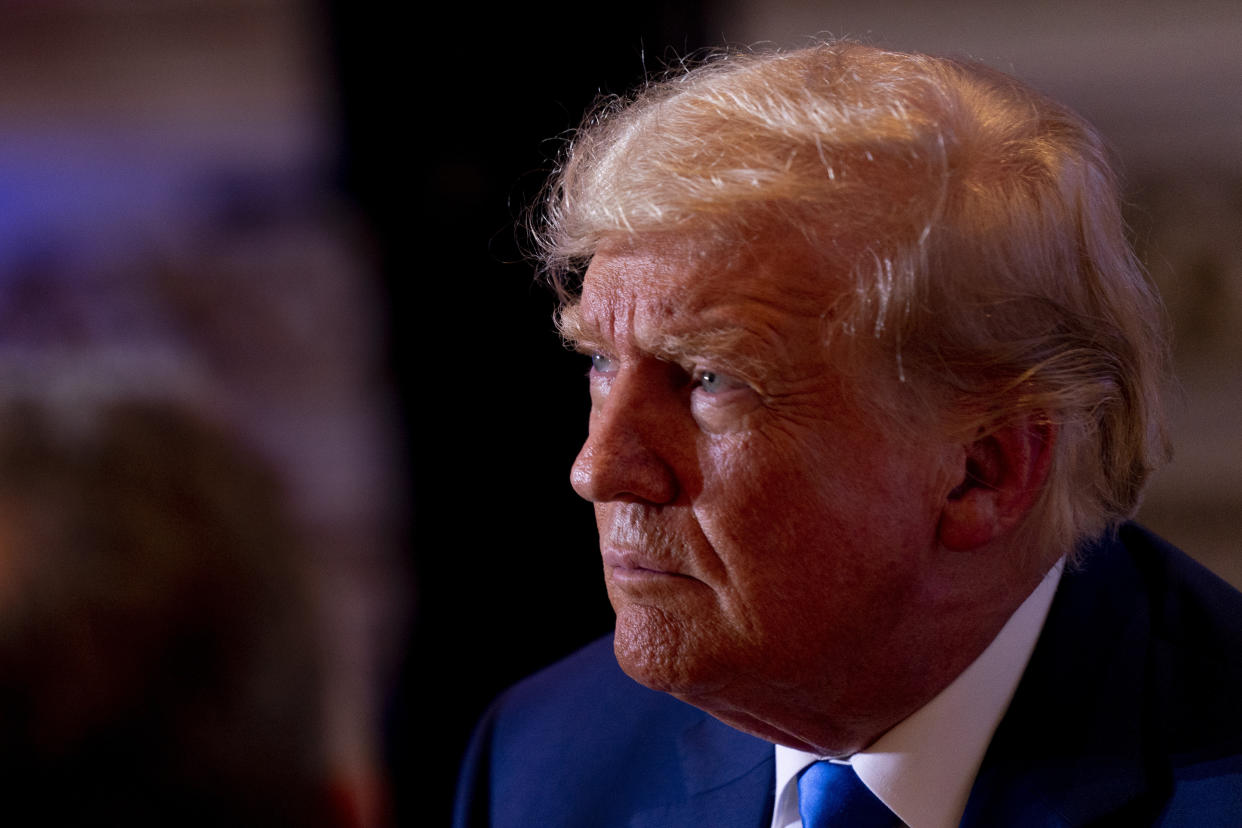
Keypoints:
(158, 664)
(168, 180)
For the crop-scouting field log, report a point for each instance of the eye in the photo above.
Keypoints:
(721, 403)
(711, 382)
(602, 364)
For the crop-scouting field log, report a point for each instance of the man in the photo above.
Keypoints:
(875, 386)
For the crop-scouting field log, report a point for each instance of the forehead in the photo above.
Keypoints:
(678, 287)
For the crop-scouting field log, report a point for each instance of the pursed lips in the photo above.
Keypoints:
(631, 565)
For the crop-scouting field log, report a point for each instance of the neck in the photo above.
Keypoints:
(828, 717)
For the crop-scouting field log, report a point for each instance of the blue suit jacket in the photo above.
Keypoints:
(1129, 714)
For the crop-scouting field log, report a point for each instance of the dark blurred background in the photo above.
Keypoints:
(448, 142)
(306, 210)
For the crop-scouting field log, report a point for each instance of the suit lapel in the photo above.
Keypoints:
(1072, 749)
(728, 778)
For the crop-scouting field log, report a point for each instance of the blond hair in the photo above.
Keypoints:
(978, 222)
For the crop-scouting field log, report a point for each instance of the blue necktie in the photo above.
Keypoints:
(831, 795)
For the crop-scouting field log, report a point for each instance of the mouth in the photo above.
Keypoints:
(626, 566)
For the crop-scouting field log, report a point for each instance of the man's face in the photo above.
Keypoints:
(763, 539)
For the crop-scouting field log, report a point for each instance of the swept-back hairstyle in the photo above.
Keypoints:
(975, 224)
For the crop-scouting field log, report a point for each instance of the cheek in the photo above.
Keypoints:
(754, 478)
(779, 509)
(757, 508)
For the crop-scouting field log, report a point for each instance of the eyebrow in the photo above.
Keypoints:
(721, 344)
(575, 331)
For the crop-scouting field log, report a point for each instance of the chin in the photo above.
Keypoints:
(665, 654)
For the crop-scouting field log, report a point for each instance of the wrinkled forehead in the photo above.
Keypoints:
(667, 276)
(763, 303)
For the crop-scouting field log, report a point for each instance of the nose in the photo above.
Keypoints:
(626, 455)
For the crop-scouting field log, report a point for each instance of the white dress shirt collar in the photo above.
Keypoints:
(924, 767)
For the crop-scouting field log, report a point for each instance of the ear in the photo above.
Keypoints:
(1002, 474)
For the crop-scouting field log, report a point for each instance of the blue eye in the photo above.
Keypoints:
(601, 364)
(711, 382)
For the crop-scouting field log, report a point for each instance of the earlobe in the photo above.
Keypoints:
(1001, 475)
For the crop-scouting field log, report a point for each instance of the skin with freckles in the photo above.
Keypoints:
(773, 555)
